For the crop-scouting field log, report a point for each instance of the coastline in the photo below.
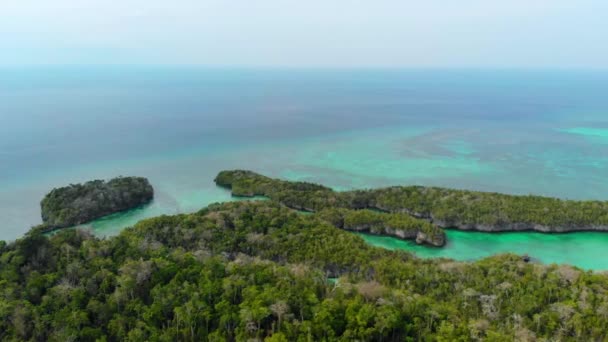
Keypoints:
(444, 207)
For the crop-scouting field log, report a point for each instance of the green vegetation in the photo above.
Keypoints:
(297, 195)
(313, 197)
(444, 207)
(247, 271)
(398, 225)
(80, 203)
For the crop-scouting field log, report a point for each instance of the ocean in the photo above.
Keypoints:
(515, 131)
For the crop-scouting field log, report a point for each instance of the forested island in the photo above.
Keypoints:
(80, 203)
(446, 208)
(259, 271)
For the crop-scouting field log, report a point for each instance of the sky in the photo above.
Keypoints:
(306, 33)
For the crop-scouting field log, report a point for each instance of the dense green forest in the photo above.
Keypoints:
(258, 271)
(446, 208)
(399, 225)
(332, 206)
(79, 203)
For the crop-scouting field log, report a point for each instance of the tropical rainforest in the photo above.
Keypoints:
(446, 208)
(259, 271)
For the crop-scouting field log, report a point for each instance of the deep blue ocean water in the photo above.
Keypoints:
(514, 131)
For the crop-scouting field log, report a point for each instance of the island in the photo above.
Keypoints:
(80, 203)
(445, 208)
(259, 271)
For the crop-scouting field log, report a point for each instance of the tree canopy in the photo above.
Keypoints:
(245, 271)
(447, 208)
(80, 203)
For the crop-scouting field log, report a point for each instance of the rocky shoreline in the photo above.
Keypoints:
(419, 237)
(500, 228)
(441, 207)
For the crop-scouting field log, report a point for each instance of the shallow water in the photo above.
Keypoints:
(583, 249)
(541, 132)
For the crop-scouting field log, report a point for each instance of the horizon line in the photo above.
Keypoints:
(303, 67)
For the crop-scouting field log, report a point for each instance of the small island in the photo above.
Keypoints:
(80, 203)
(446, 208)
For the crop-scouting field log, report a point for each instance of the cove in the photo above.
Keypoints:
(113, 224)
(582, 249)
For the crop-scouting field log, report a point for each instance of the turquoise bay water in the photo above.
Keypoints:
(541, 132)
(580, 249)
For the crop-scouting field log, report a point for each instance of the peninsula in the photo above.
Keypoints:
(80, 203)
(446, 208)
(397, 225)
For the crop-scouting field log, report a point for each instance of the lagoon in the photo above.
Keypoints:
(583, 249)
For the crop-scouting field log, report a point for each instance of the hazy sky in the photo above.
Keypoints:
(314, 33)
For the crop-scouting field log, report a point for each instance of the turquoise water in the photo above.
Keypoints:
(580, 249)
(542, 132)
